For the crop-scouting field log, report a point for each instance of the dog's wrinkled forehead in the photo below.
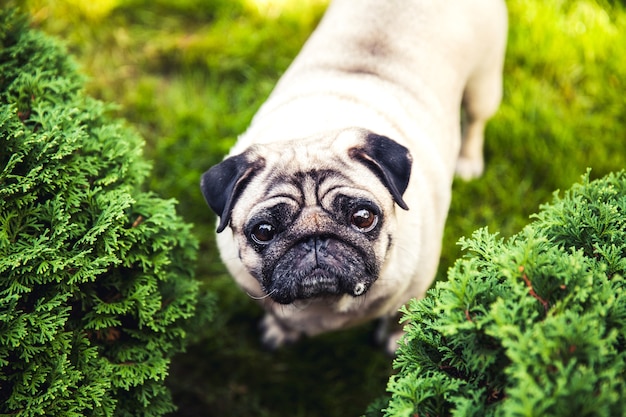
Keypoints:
(313, 187)
(308, 168)
(323, 152)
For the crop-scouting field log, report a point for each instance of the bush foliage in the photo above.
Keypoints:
(531, 326)
(96, 275)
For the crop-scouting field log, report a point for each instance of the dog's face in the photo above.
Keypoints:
(313, 217)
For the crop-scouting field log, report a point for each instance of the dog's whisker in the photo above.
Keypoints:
(262, 297)
(301, 304)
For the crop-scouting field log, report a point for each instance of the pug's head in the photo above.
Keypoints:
(312, 217)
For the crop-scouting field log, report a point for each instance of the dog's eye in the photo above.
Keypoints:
(263, 233)
(364, 219)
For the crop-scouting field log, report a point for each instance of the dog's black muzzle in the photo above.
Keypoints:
(319, 266)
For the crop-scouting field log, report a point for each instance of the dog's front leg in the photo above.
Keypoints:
(276, 334)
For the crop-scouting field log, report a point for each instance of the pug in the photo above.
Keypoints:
(332, 204)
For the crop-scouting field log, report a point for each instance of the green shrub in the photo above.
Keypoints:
(96, 275)
(531, 326)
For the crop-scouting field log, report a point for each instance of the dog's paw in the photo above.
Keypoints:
(388, 334)
(274, 334)
(393, 342)
(469, 168)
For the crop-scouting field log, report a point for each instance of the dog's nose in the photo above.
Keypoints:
(321, 243)
(317, 245)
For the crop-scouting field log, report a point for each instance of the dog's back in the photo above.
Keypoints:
(411, 58)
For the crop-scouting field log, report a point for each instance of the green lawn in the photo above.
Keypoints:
(190, 74)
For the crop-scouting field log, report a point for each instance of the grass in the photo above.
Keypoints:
(190, 74)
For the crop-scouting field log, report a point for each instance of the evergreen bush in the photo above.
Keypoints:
(96, 276)
(531, 326)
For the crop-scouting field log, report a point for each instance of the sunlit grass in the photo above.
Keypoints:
(563, 111)
(274, 8)
(93, 10)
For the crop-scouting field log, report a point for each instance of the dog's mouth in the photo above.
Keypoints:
(316, 284)
(304, 272)
(319, 282)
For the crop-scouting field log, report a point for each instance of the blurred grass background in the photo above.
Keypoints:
(190, 74)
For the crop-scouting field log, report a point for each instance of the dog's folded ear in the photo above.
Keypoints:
(389, 160)
(223, 183)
